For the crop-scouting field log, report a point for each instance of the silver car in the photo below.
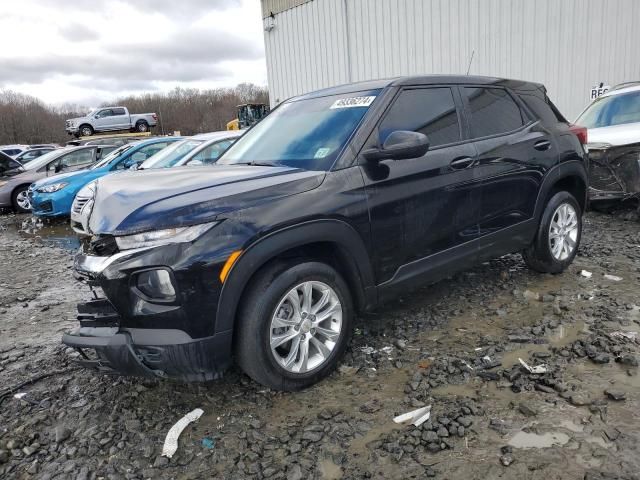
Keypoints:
(202, 149)
(613, 136)
(13, 189)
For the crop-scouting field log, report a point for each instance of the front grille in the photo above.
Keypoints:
(78, 203)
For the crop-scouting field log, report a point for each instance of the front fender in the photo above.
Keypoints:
(337, 232)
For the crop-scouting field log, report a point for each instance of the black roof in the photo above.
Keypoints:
(415, 80)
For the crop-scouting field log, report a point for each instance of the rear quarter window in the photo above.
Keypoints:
(492, 111)
(543, 108)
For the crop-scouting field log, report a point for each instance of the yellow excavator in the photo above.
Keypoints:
(248, 115)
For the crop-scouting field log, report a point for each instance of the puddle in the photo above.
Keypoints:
(56, 233)
(509, 359)
(569, 425)
(566, 334)
(533, 440)
(462, 390)
(329, 470)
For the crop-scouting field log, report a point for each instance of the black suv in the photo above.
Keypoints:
(335, 202)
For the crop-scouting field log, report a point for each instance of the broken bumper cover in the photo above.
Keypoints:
(147, 354)
(614, 172)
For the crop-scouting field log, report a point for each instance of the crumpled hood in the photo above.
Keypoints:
(138, 201)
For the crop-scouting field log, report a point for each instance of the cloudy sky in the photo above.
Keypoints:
(89, 51)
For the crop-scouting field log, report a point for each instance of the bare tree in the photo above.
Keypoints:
(26, 119)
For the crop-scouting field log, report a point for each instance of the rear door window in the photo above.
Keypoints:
(211, 153)
(431, 111)
(79, 157)
(118, 111)
(492, 111)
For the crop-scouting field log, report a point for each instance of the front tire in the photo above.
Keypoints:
(558, 238)
(20, 200)
(294, 324)
(86, 130)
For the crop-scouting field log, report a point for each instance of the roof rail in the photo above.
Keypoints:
(625, 85)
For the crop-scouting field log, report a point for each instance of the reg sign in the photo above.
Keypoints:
(598, 91)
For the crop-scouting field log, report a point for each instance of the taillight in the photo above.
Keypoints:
(155, 117)
(580, 132)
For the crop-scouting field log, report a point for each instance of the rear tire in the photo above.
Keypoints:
(558, 237)
(20, 200)
(268, 315)
(142, 127)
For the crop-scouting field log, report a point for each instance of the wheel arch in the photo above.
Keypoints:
(86, 125)
(569, 176)
(333, 241)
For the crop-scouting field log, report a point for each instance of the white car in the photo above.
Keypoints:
(613, 135)
(13, 150)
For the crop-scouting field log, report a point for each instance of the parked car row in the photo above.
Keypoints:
(47, 185)
(336, 201)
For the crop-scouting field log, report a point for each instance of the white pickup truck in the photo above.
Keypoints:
(108, 119)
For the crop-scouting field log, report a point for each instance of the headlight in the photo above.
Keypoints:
(51, 188)
(163, 237)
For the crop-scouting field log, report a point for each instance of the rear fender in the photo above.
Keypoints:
(573, 168)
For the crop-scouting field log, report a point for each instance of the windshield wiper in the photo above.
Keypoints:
(259, 164)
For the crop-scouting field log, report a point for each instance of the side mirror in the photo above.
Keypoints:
(399, 145)
(59, 168)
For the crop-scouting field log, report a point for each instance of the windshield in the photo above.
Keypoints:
(116, 153)
(612, 110)
(169, 156)
(308, 134)
(46, 158)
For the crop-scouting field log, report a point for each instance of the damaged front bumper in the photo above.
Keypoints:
(614, 172)
(129, 333)
(165, 353)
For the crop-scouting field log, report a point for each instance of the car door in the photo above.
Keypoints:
(513, 153)
(104, 119)
(120, 121)
(423, 211)
(74, 160)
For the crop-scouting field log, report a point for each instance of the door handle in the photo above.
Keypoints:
(461, 163)
(542, 145)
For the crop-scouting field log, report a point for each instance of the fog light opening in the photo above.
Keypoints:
(156, 284)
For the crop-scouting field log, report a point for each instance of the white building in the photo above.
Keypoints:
(569, 45)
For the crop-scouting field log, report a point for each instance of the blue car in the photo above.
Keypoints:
(53, 196)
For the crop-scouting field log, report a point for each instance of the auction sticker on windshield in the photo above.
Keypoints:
(353, 102)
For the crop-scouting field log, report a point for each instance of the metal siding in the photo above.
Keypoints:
(566, 44)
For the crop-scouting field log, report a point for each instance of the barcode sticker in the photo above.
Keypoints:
(353, 102)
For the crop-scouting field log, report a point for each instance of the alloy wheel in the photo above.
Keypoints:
(563, 232)
(23, 201)
(305, 327)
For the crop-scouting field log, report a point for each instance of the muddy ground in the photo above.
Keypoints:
(455, 346)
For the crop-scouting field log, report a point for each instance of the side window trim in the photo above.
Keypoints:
(526, 116)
